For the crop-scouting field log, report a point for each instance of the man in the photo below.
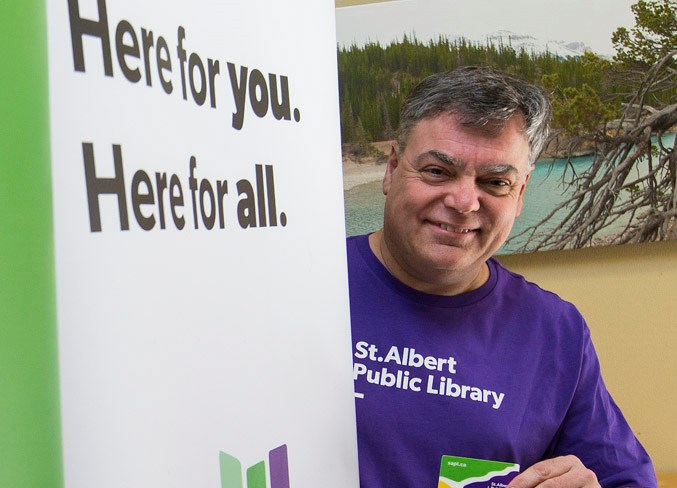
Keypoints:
(453, 354)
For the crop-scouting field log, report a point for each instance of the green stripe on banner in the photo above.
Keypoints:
(30, 444)
(256, 476)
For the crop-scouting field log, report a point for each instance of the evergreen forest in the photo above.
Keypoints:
(373, 81)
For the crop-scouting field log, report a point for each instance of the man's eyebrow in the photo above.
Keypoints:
(499, 169)
(492, 169)
(444, 158)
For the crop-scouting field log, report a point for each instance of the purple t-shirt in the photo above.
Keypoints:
(506, 372)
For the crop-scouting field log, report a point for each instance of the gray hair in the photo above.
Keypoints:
(481, 97)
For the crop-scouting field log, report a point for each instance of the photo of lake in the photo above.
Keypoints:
(611, 164)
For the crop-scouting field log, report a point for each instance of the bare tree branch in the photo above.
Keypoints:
(629, 194)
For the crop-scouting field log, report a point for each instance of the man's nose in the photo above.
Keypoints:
(462, 196)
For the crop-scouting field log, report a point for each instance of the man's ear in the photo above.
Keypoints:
(390, 168)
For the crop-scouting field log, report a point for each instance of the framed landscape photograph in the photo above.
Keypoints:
(608, 173)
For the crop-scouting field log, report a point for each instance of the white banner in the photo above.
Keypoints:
(204, 334)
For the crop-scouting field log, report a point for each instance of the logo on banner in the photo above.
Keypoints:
(278, 466)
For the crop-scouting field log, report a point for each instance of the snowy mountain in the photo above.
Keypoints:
(532, 44)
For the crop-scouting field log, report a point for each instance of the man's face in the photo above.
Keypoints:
(452, 197)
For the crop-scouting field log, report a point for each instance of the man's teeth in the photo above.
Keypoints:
(448, 228)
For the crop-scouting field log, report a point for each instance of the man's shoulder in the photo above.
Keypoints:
(528, 292)
(538, 311)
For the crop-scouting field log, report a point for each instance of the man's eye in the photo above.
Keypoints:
(433, 171)
(498, 186)
(499, 183)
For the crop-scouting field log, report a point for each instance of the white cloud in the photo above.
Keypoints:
(589, 21)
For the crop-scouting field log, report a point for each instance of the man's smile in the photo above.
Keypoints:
(454, 229)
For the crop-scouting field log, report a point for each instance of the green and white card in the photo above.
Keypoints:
(461, 472)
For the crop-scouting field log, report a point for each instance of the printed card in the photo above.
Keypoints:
(460, 472)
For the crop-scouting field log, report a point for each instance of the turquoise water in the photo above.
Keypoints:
(364, 203)
(364, 208)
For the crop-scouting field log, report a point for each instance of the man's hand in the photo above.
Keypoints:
(564, 471)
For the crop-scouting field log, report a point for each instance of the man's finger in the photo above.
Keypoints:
(564, 471)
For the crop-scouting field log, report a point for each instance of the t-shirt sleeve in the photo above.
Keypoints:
(595, 430)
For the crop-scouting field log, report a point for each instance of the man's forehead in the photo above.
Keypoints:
(489, 126)
(444, 138)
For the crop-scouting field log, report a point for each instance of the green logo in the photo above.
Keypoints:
(231, 471)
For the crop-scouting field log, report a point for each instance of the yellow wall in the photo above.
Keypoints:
(628, 295)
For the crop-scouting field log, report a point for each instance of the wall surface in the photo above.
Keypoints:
(627, 295)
